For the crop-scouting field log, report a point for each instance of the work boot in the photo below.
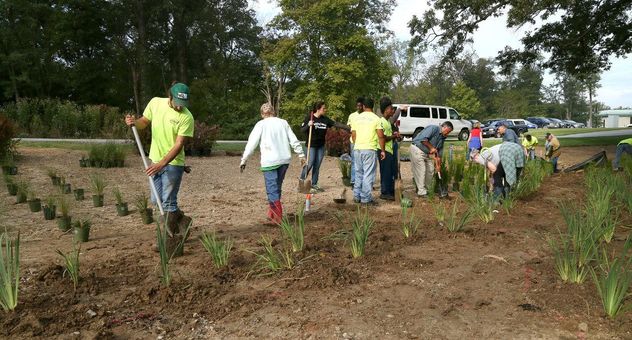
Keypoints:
(172, 222)
(277, 212)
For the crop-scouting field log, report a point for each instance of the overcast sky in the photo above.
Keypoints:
(491, 37)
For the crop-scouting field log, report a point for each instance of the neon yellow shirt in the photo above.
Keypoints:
(366, 126)
(531, 144)
(626, 141)
(352, 116)
(166, 125)
(388, 131)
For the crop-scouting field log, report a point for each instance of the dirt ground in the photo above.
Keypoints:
(492, 281)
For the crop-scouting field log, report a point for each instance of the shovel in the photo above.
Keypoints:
(399, 185)
(443, 190)
(146, 163)
(304, 184)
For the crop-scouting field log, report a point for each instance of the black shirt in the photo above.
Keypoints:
(321, 124)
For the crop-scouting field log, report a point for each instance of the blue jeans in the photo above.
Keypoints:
(167, 183)
(554, 163)
(531, 153)
(621, 148)
(388, 171)
(316, 155)
(365, 164)
(274, 182)
(352, 163)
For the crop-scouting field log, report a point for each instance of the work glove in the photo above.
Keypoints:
(242, 166)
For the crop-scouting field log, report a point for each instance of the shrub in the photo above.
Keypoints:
(204, 137)
(337, 142)
(7, 133)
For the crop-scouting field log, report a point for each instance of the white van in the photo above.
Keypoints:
(417, 116)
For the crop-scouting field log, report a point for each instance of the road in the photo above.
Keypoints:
(612, 133)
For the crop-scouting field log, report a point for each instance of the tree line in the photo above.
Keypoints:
(121, 53)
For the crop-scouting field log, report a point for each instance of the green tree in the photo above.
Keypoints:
(579, 36)
(464, 100)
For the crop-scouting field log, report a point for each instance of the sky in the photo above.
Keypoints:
(491, 37)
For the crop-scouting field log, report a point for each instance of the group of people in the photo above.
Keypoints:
(374, 140)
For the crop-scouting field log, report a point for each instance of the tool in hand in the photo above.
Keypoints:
(146, 163)
(304, 184)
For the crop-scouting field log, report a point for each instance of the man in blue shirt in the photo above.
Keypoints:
(426, 147)
(509, 135)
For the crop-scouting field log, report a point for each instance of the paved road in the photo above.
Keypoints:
(611, 133)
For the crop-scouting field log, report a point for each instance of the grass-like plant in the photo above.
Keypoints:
(9, 271)
(439, 212)
(567, 260)
(64, 205)
(118, 195)
(97, 183)
(51, 173)
(141, 201)
(613, 279)
(409, 223)
(361, 228)
(294, 231)
(165, 257)
(218, 249)
(482, 204)
(272, 260)
(71, 263)
(345, 168)
(23, 187)
(508, 202)
(457, 168)
(455, 222)
(533, 174)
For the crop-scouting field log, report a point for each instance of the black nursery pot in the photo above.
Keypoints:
(66, 188)
(12, 189)
(79, 194)
(49, 212)
(35, 205)
(148, 216)
(97, 200)
(121, 209)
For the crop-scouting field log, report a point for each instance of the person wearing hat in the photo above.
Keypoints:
(529, 143)
(509, 135)
(505, 161)
(171, 124)
(624, 146)
(275, 140)
(552, 150)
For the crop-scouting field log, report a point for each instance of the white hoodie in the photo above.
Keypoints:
(274, 137)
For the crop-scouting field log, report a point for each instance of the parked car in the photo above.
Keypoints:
(523, 122)
(573, 124)
(557, 123)
(540, 122)
(491, 129)
(418, 116)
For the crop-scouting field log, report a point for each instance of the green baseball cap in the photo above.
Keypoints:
(180, 94)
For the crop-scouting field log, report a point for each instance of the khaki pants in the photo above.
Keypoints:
(423, 169)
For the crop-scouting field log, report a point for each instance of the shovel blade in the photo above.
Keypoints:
(304, 186)
(398, 190)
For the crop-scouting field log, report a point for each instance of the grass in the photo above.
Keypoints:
(64, 205)
(455, 222)
(71, 263)
(9, 271)
(482, 204)
(272, 260)
(218, 249)
(141, 201)
(439, 212)
(361, 228)
(294, 231)
(613, 279)
(165, 258)
(118, 195)
(410, 224)
(97, 183)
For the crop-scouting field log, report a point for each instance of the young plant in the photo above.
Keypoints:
(52, 173)
(141, 201)
(118, 196)
(613, 279)
(409, 225)
(455, 223)
(97, 183)
(9, 271)
(508, 202)
(345, 168)
(71, 263)
(64, 205)
(567, 261)
(361, 228)
(51, 201)
(601, 213)
(218, 249)
(165, 258)
(439, 212)
(273, 260)
(482, 204)
(294, 232)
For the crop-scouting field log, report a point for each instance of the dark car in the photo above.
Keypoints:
(557, 123)
(491, 129)
(541, 122)
(574, 124)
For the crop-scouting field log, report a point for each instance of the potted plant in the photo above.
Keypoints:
(345, 170)
(142, 204)
(81, 229)
(63, 186)
(121, 207)
(52, 174)
(64, 208)
(49, 209)
(23, 190)
(8, 166)
(83, 162)
(35, 204)
(12, 187)
(97, 183)
(79, 194)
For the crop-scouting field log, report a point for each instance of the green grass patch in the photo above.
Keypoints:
(67, 145)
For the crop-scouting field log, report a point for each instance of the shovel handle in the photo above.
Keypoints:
(152, 185)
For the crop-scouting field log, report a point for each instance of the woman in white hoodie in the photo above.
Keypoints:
(275, 140)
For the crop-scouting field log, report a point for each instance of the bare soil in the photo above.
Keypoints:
(492, 281)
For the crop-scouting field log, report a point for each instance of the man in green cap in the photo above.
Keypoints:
(171, 124)
(625, 146)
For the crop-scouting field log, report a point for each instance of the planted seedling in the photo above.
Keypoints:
(142, 205)
(97, 184)
(50, 208)
(9, 271)
(23, 189)
(35, 204)
(361, 228)
(121, 207)
(219, 250)
(82, 229)
(613, 279)
(482, 204)
(71, 263)
(272, 260)
(64, 208)
(439, 212)
(456, 222)
(409, 225)
(294, 231)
